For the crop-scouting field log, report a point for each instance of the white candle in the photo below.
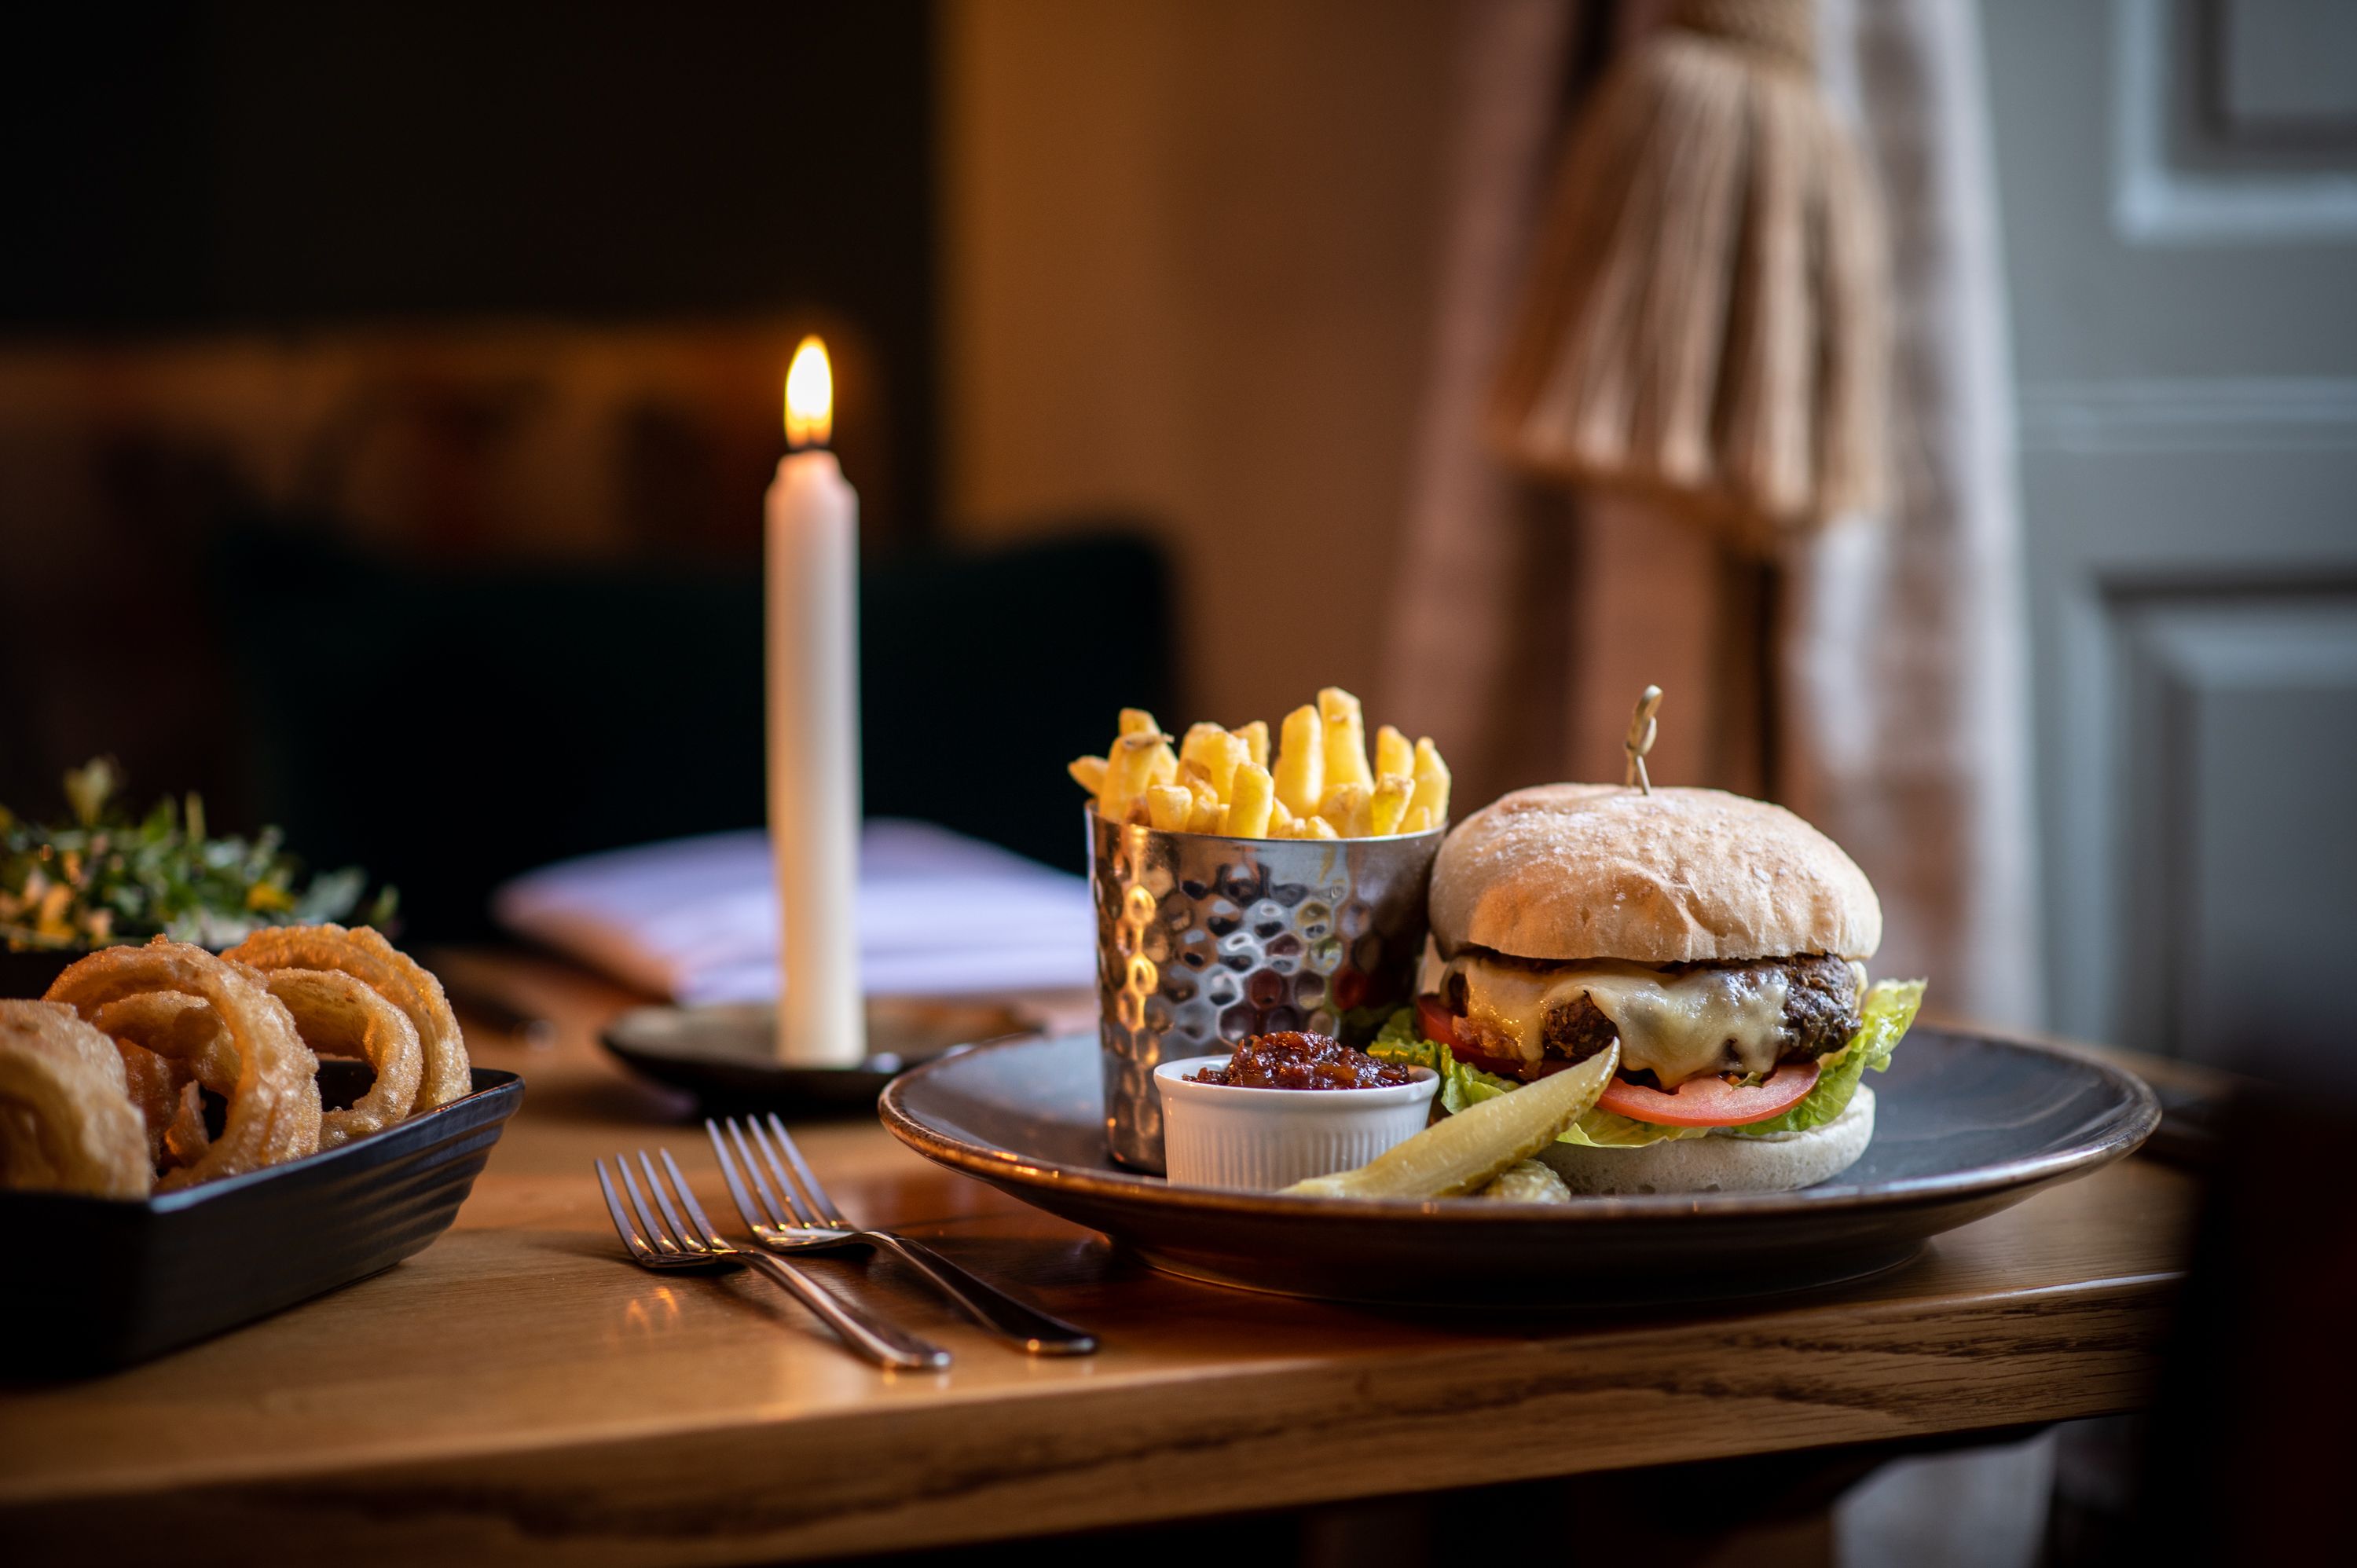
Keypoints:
(812, 545)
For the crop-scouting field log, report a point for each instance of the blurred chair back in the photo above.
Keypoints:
(448, 730)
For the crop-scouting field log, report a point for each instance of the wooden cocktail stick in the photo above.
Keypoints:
(1641, 730)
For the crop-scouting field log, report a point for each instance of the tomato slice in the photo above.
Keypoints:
(1433, 1016)
(1710, 1101)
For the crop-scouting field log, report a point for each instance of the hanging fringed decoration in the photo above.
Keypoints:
(1707, 320)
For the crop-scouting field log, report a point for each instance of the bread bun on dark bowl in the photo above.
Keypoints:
(1720, 940)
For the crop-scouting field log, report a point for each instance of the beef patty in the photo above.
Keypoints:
(1821, 999)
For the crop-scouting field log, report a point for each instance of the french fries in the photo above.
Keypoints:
(1350, 807)
(1431, 781)
(1300, 770)
(1321, 783)
(1248, 807)
(1345, 739)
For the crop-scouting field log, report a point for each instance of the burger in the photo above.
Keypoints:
(1722, 941)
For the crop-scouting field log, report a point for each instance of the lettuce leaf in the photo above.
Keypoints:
(1886, 1012)
(1884, 1015)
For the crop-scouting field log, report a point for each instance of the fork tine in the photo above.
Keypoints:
(728, 1173)
(786, 1183)
(818, 1196)
(631, 1240)
(655, 1232)
(704, 1232)
(655, 1184)
(753, 1169)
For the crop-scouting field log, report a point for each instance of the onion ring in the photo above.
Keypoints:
(154, 1083)
(187, 1137)
(180, 1027)
(368, 958)
(274, 1114)
(67, 1123)
(339, 1016)
(186, 1037)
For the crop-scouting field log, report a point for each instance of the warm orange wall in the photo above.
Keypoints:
(1190, 253)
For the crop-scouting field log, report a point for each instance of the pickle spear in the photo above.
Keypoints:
(1467, 1151)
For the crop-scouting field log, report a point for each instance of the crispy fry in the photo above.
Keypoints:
(1345, 739)
(1168, 806)
(1300, 771)
(1127, 773)
(1320, 773)
(1348, 807)
(1216, 753)
(1249, 802)
(1431, 781)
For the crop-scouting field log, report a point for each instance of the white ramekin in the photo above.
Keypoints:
(1258, 1139)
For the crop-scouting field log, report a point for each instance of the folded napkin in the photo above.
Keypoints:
(696, 918)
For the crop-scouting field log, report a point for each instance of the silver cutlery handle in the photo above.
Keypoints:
(870, 1336)
(986, 1304)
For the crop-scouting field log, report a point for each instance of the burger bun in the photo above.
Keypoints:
(1567, 872)
(1771, 1161)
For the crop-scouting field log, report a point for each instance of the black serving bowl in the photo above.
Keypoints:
(88, 1284)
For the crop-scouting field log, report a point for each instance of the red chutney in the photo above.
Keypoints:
(1294, 1060)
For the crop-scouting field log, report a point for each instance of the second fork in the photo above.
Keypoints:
(817, 1225)
(669, 1242)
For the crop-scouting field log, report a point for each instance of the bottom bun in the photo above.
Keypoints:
(1777, 1162)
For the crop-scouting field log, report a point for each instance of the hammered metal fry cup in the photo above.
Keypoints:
(1202, 940)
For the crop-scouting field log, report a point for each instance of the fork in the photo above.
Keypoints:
(668, 1244)
(817, 1225)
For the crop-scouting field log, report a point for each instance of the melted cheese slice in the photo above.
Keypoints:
(1677, 1026)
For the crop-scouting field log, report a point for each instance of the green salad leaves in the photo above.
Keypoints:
(1884, 1015)
(1885, 1012)
(106, 876)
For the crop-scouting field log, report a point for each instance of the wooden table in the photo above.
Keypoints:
(517, 1391)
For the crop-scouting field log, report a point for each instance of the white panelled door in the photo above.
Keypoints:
(2179, 188)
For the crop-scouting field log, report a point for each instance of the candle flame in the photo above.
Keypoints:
(810, 396)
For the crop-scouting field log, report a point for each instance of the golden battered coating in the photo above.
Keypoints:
(67, 1123)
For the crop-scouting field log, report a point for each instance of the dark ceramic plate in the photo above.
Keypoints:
(721, 1055)
(91, 1283)
(1964, 1126)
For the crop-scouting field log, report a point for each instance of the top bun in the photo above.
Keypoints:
(1569, 872)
